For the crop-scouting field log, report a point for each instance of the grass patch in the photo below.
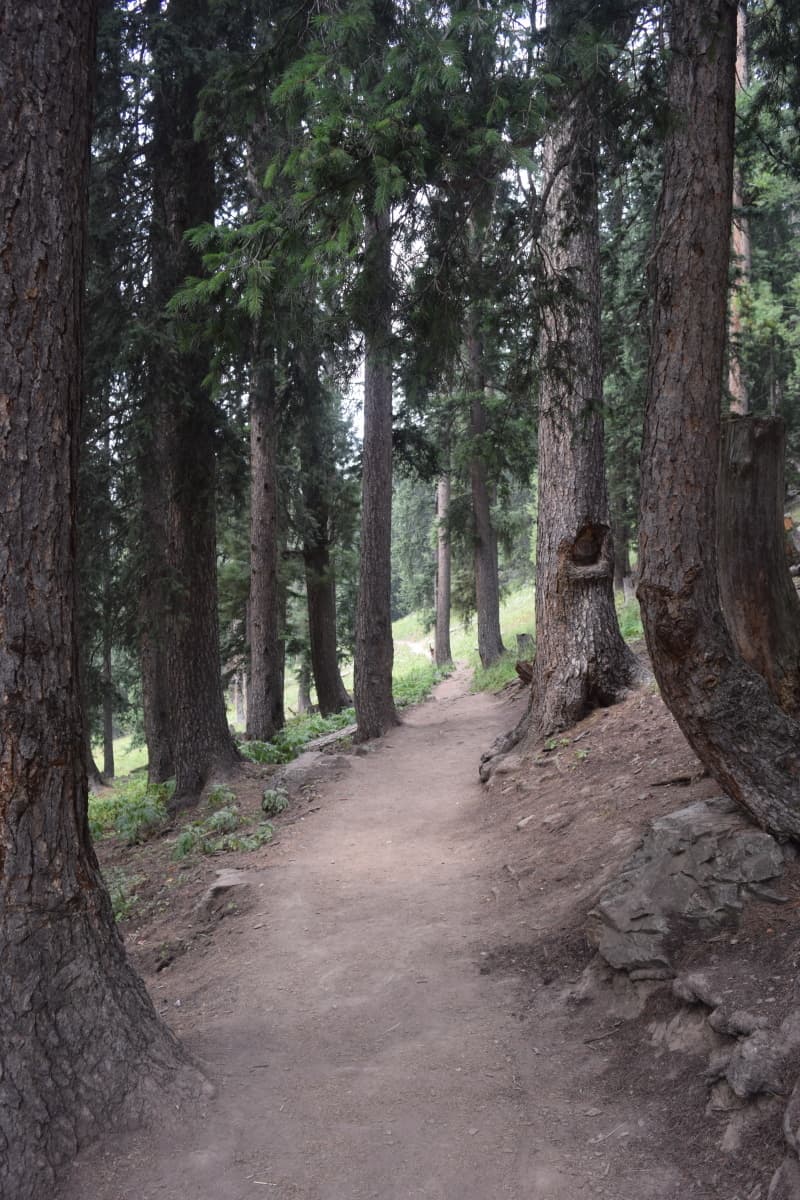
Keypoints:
(630, 619)
(122, 890)
(132, 810)
(220, 833)
(491, 679)
(127, 757)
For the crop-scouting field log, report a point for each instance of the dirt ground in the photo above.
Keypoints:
(392, 1007)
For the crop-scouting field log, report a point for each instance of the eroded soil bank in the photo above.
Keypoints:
(389, 1011)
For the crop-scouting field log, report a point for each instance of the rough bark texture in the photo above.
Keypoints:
(108, 710)
(740, 245)
(441, 645)
(81, 1048)
(183, 196)
(581, 658)
(759, 600)
(332, 695)
(265, 694)
(374, 650)
(724, 708)
(487, 582)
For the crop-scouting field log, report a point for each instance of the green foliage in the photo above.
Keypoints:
(288, 743)
(121, 888)
(274, 801)
(496, 676)
(220, 797)
(220, 833)
(133, 810)
(630, 620)
(416, 682)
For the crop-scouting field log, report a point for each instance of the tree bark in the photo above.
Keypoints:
(724, 708)
(374, 650)
(442, 654)
(740, 244)
(487, 582)
(265, 714)
(581, 658)
(108, 709)
(332, 695)
(183, 197)
(81, 1046)
(759, 600)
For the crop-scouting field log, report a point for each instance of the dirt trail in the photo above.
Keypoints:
(365, 1023)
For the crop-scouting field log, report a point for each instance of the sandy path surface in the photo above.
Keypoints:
(359, 1050)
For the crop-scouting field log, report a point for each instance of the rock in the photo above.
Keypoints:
(217, 894)
(791, 1120)
(738, 1023)
(526, 821)
(785, 1183)
(692, 868)
(722, 1098)
(695, 988)
(755, 1065)
(309, 768)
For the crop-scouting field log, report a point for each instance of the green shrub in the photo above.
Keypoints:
(220, 796)
(218, 834)
(133, 810)
(630, 620)
(416, 682)
(289, 741)
(275, 800)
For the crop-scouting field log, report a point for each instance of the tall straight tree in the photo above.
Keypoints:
(581, 658)
(81, 1046)
(374, 650)
(724, 708)
(185, 417)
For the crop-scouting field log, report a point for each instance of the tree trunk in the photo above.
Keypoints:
(81, 1046)
(332, 695)
(761, 606)
(740, 245)
(108, 709)
(265, 695)
(581, 658)
(724, 708)
(304, 689)
(184, 196)
(487, 582)
(442, 654)
(374, 650)
(622, 555)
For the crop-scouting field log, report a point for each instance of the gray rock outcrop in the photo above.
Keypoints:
(693, 868)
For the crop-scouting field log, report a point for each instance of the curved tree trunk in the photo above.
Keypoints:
(81, 1046)
(761, 606)
(581, 658)
(441, 653)
(724, 708)
(374, 650)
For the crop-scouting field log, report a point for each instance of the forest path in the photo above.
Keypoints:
(358, 1049)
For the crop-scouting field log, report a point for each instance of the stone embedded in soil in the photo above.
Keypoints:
(693, 868)
(759, 1062)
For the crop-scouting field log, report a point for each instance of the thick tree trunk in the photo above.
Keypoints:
(183, 196)
(740, 245)
(81, 1047)
(581, 658)
(265, 714)
(442, 654)
(487, 582)
(724, 708)
(761, 606)
(374, 650)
